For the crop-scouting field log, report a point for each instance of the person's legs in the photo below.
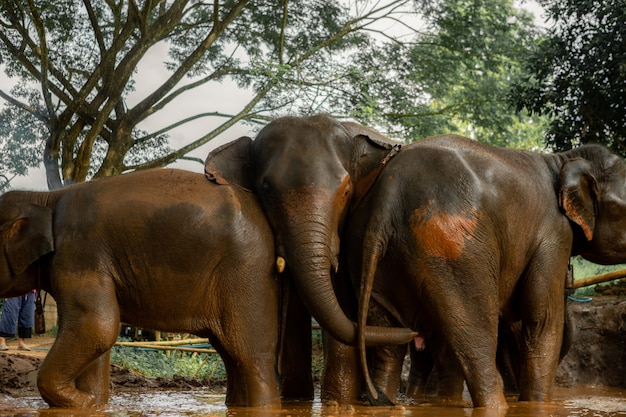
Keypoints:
(8, 321)
(26, 320)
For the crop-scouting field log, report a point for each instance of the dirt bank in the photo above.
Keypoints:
(598, 353)
(18, 373)
(597, 356)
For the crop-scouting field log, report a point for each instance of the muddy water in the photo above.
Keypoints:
(568, 402)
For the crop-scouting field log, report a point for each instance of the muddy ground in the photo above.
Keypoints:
(597, 356)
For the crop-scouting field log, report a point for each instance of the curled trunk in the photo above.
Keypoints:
(312, 266)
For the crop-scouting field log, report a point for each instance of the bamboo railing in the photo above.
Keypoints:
(595, 279)
(171, 345)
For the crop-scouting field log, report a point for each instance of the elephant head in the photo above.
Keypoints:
(308, 173)
(26, 235)
(593, 196)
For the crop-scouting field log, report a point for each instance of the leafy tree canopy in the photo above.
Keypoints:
(75, 62)
(411, 71)
(454, 75)
(577, 74)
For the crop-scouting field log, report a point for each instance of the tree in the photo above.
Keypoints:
(75, 63)
(577, 74)
(454, 76)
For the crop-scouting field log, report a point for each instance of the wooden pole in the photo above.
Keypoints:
(596, 279)
(153, 345)
(195, 341)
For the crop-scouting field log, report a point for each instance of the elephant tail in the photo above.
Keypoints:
(372, 251)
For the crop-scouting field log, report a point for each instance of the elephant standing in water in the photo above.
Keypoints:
(435, 371)
(308, 173)
(455, 235)
(162, 249)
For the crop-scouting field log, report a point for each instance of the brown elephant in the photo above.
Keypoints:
(456, 235)
(309, 173)
(162, 249)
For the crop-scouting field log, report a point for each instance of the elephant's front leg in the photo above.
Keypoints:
(342, 377)
(542, 326)
(294, 365)
(386, 364)
(75, 373)
(96, 379)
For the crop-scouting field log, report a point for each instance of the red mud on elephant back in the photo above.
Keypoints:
(443, 235)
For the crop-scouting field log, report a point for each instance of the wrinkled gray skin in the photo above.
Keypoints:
(455, 235)
(308, 173)
(160, 249)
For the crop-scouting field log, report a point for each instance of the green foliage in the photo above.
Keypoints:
(158, 363)
(577, 74)
(75, 64)
(454, 77)
(317, 359)
(76, 68)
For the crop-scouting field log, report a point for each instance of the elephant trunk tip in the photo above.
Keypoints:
(376, 336)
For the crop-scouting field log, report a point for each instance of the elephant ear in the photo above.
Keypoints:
(28, 237)
(578, 195)
(231, 163)
(369, 157)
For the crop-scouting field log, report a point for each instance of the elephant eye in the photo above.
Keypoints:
(347, 191)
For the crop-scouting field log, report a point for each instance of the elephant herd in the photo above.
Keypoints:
(440, 244)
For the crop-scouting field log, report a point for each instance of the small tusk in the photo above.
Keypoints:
(280, 264)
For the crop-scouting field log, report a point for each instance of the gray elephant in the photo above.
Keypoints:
(160, 249)
(456, 235)
(308, 174)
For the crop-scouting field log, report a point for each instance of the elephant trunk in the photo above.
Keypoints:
(311, 265)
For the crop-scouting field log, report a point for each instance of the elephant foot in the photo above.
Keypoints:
(67, 399)
(382, 399)
(494, 402)
(333, 407)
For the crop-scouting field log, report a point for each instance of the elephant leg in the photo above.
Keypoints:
(251, 380)
(542, 335)
(248, 342)
(236, 389)
(449, 374)
(422, 365)
(294, 364)
(342, 377)
(469, 327)
(96, 379)
(85, 335)
(386, 363)
(508, 355)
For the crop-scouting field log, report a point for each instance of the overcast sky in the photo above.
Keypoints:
(225, 98)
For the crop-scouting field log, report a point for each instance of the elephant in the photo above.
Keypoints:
(308, 173)
(163, 249)
(434, 369)
(456, 235)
